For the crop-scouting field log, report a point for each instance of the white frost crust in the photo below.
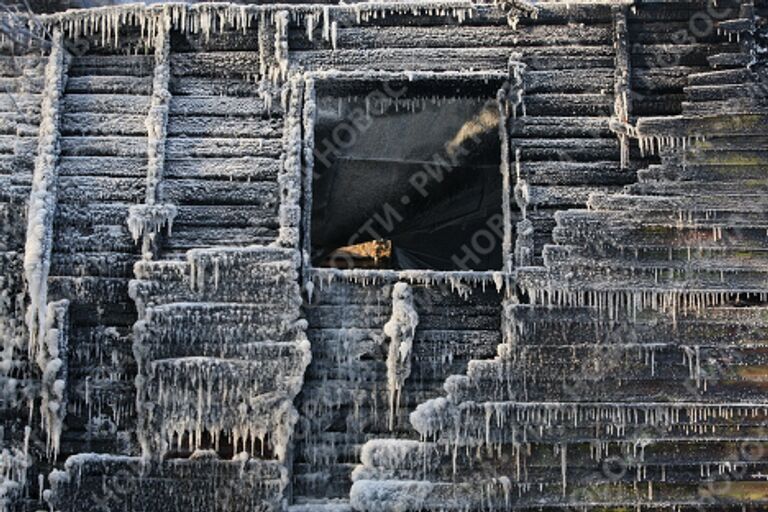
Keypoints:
(390, 495)
(427, 419)
(42, 199)
(388, 452)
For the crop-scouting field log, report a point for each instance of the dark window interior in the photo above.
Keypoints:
(407, 184)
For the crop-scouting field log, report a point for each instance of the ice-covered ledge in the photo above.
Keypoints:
(202, 17)
(459, 281)
(700, 126)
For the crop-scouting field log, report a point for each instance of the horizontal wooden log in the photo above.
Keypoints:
(558, 126)
(102, 166)
(213, 86)
(243, 168)
(215, 216)
(461, 36)
(80, 189)
(576, 173)
(106, 264)
(106, 103)
(112, 65)
(103, 146)
(218, 64)
(219, 106)
(177, 148)
(192, 237)
(582, 149)
(441, 59)
(103, 124)
(216, 126)
(206, 192)
(100, 84)
(556, 104)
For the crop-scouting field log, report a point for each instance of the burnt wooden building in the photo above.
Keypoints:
(385, 256)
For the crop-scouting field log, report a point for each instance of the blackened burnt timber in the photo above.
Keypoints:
(556, 298)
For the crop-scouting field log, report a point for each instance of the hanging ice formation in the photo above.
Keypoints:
(51, 360)
(47, 322)
(42, 202)
(145, 221)
(400, 329)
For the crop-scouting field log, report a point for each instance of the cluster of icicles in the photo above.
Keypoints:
(410, 105)
(209, 18)
(461, 282)
(218, 324)
(199, 395)
(654, 144)
(615, 302)
(490, 429)
(208, 265)
(493, 424)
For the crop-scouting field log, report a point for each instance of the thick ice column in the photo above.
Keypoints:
(43, 196)
(146, 220)
(400, 329)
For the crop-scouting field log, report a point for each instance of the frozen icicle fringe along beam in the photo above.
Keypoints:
(462, 282)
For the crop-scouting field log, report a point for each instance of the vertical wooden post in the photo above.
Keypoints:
(146, 220)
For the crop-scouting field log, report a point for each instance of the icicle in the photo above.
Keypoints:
(564, 468)
(326, 23)
(309, 21)
(334, 35)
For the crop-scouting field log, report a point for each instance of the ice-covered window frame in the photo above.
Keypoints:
(406, 173)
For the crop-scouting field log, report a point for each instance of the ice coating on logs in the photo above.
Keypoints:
(241, 390)
(615, 359)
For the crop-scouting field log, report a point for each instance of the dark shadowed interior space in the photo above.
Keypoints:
(405, 181)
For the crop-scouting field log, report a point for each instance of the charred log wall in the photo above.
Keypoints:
(178, 199)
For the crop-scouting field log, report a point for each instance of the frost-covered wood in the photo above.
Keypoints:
(626, 329)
